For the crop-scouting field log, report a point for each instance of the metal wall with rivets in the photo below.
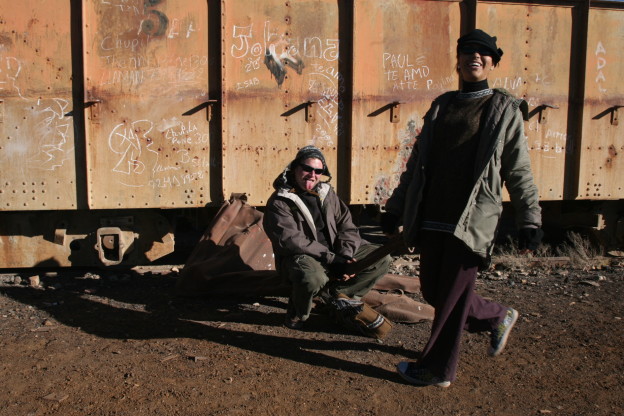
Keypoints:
(147, 103)
(37, 154)
(281, 84)
(602, 142)
(401, 62)
(537, 66)
(117, 114)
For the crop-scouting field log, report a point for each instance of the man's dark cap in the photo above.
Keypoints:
(308, 152)
(479, 37)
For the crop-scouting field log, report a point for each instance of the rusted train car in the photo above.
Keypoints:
(121, 120)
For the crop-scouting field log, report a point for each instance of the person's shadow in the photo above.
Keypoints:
(128, 305)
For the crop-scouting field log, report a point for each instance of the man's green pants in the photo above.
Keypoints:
(308, 277)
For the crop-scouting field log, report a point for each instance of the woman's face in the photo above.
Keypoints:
(473, 65)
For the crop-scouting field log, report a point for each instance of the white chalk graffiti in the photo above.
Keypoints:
(601, 63)
(176, 27)
(112, 42)
(252, 64)
(247, 83)
(172, 76)
(551, 144)
(278, 49)
(441, 84)
(405, 72)
(10, 68)
(186, 133)
(280, 44)
(543, 79)
(125, 140)
(126, 58)
(324, 82)
(132, 140)
(55, 129)
(508, 83)
(126, 6)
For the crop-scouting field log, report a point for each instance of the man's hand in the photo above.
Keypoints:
(338, 266)
(345, 276)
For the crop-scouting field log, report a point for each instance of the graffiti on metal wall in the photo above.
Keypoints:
(139, 156)
(326, 83)
(10, 68)
(550, 141)
(54, 130)
(277, 50)
(601, 62)
(128, 61)
(546, 139)
(313, 57)
(145, 50)
(405, 72)
(46, 144)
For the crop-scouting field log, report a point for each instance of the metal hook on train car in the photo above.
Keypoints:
(91, 102)
(306, 107)
(542, 109)
(614, 114)
(393, 107)
(206, 104)
(395, 114)
(209, 105)
(95, 109)
(309, 113)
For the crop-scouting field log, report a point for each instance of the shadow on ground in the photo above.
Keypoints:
(143, 306)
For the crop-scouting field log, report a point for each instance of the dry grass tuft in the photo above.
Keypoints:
(581, 252)
(509, 256)
(576, 252)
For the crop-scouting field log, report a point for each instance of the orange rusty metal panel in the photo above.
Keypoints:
(536, 40)
(37, 132)
(402, 61)
(601, 172)
(147, 104)
(280, 88)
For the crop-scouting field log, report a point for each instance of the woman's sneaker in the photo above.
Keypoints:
(501, 333)
(420, 376)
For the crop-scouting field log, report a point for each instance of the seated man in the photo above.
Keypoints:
(314, 238)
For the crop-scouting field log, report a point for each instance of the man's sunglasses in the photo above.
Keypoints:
(469, 50)
(308, 169)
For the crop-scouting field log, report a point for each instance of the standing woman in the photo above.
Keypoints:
(449, 200)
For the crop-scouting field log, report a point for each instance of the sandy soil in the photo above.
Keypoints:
(120, 343)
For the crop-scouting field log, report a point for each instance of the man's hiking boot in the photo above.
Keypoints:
(294, 322)
(501, 333)
(419, 376)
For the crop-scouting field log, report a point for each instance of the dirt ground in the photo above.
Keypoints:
(95, 342)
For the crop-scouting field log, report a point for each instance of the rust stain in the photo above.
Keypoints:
(612, 155)
(612, 151)
(5, 41)
(33, 22)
